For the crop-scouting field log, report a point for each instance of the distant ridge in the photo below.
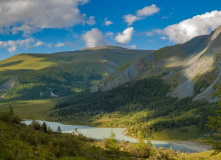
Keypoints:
(40, 76)
(192, 69)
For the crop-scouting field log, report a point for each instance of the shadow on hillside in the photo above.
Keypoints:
(11, 63)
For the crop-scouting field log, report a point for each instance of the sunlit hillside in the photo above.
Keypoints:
(40, 76)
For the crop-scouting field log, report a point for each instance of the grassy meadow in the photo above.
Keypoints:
(36, 109)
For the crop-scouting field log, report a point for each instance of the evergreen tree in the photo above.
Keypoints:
(59, 129)
(44, 127)
(215, 124)
(111, 142)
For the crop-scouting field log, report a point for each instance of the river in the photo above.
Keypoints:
(100, 133)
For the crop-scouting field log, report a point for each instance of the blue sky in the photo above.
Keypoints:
(47, 26)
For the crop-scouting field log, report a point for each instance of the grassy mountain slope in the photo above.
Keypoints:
(142, 106)
(192, 68)
(40, 76)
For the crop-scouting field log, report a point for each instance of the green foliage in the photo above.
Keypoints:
(59, 129)
(36, 125)
(10, 117)
(215, 125)
(143, 150)
(19, 141)
(44, 127)
(143, 106)
(110, 142)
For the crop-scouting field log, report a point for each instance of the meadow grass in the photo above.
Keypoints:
(36, 109)
(199, 156)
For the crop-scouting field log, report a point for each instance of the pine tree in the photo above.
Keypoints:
(44, 127)
(215, 125)
(59, 129)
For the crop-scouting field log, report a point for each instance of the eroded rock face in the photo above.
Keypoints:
(8, 84)
(215, 33)
(181, 65)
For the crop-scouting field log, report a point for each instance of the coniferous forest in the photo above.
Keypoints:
(142, 106)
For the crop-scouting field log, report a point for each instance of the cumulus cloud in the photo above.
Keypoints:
(130, 19)
(59, 44)
(109, 34)
(94, 38)
(39, 43)
(196, 26)
(31, 15)
(133, 46)
(12, 46)
(141, 14)
(107, 22)
(90, 21)
(126, 36)
(148, 11)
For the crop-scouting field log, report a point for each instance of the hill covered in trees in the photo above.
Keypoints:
(144, 107)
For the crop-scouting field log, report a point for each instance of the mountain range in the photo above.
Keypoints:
(169, 92)
(192, 69)
(40, 76)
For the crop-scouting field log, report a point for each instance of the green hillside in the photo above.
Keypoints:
(41, 76)
(36, 141)
(141, 106)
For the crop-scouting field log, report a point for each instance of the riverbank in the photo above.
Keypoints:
(101, 133)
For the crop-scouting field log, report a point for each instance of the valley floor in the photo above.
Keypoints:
(40, 109)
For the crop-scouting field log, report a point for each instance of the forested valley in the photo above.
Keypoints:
(143, 107)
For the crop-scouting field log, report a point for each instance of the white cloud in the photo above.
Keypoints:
(141, 14)
(59, 44)
(126, 36)
(148, 11)
(130, 19)
(151, 33)
(107, 22)
(109, 34)
(31, 15)
(133, 46)
(94, 38)
(12, 46)
(39, 43)
(90, 21)
(196, 26)
(163, 38)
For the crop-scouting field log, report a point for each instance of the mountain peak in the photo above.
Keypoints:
(215, 33)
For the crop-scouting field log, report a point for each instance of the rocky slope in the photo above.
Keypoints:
(192, 69)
